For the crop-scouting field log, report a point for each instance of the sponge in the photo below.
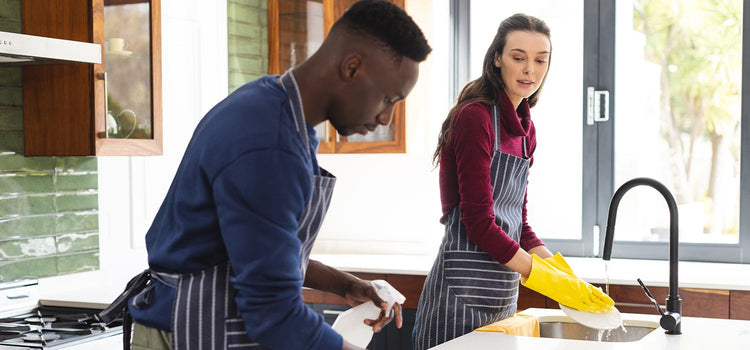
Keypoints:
(518, 324)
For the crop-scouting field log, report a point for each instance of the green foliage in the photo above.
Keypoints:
(699, 44)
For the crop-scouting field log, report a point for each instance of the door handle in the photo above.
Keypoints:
(597, 105)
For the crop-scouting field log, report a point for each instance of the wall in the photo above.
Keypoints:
(194, 78)
(48, 205)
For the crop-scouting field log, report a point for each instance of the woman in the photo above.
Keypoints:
(485, 148)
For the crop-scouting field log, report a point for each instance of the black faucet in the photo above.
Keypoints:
(671, 320)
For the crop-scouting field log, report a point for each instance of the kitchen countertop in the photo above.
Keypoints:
(100, 288)
(654, 273)
(697, 333)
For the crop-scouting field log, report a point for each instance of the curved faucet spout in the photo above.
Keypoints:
(674, 304)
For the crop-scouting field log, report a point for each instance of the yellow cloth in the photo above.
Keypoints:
(518, 324)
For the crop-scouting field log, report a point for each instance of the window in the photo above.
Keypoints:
(296, 28)
(675, 114)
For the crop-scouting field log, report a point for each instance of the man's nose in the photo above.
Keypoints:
(386, 116)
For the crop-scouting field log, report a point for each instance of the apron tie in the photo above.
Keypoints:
(140, 288)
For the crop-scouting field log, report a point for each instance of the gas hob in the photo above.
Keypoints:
(26, 323)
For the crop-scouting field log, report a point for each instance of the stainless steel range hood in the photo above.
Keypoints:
(30, 49)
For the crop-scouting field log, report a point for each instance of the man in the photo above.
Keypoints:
(229, 247)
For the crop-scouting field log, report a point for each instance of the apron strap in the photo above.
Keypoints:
(120, 305)
(140, 289)
(289, 84)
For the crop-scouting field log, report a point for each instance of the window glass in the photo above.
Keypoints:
(677, 117)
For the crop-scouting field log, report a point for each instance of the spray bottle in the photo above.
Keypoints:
(350, 323)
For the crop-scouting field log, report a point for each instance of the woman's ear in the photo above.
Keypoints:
(497, 60)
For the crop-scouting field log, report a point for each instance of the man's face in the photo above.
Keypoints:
(375, 88)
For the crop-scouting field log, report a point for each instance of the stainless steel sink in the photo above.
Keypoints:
(566, 328)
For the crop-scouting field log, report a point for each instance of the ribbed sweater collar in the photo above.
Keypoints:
(515, 122)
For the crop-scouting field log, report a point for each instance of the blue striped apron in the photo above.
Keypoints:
(466, 288)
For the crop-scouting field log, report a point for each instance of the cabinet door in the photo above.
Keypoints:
(128, 104)
(129, 82)
(113, 108)
(296, 29)
(56, 96)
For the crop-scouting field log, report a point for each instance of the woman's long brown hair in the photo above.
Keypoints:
(486, 89)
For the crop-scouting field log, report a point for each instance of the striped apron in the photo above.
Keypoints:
(466, 288)
(205, 315)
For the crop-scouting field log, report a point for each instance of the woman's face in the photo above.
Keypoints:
(523, 63)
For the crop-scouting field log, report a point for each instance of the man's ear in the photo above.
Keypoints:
(350, 66)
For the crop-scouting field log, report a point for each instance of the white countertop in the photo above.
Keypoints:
(654, 273)
(697, 334)
(100, 288)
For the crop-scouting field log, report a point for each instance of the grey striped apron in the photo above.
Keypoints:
(466, 288)
(205, 314)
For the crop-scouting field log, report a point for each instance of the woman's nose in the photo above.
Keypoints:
(528, 68)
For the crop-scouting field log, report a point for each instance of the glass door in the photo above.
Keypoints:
(127, 58)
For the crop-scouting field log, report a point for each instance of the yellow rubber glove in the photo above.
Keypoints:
(559, 263)
(564, 288)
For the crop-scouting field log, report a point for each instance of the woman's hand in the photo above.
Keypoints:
(361, 291)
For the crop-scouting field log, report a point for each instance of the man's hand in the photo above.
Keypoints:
(361, 291)
(356, 291)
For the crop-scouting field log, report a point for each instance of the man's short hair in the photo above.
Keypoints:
(387, 23)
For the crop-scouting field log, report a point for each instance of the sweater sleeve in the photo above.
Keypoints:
(473, 143)
(259, 198)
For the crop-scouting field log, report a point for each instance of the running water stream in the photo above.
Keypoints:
(603, 334)
(606, 277)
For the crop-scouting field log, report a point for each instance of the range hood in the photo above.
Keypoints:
(31, 49)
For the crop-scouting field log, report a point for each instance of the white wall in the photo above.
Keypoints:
(194, 78)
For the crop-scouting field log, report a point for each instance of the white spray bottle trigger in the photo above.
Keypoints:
(389, 294)
(350, 323)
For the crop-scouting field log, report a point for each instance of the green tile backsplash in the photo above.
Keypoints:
(49, 212)
(247, 29)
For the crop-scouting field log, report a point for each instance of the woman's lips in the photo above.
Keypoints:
(525, 82)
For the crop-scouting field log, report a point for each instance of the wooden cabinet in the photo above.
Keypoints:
(696, 302)
(739, 305)
(713, 303)
(113, 108)
(296, 29)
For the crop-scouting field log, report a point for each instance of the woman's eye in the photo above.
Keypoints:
(541, 61)
(518, 59)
